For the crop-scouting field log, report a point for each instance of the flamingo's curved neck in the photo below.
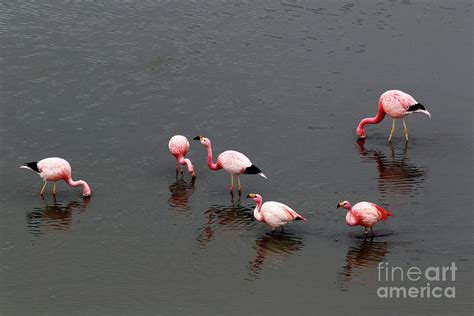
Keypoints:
(371, 120)
(210, 163)
(350, 218)
(188, 163)
(86, 190)
(256, 212)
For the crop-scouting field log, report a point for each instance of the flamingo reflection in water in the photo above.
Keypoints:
(396, 175)
(56, 217)
(363, 255)
(181, 192)
(234, 217)
(273, 248)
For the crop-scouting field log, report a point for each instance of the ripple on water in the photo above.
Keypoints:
(273, 248)
(397, 176)
(181, 192)
(54, 217)
(234, 217)
(364, 254)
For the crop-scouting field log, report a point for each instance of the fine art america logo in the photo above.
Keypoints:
(434, 281)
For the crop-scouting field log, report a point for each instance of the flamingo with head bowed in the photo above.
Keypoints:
(54, 169)
(231, 161)
(397, 104)
(179, 146)
(275, 214)
(365, 214)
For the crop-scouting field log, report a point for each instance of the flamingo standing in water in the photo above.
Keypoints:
(179, 146)
(365, 214)
(397, 104)
(275, 214)
(54, 169)
(231, 161)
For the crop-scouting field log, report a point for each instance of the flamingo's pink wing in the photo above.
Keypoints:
(292, 213)
(383, 212)
(405, 100)
(178, 145)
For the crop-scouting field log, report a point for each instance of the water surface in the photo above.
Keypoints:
(106, 84)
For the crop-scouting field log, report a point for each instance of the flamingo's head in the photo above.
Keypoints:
(203, 140)
(360, 132)
(86, 190)
(344, 204)
(255, 197)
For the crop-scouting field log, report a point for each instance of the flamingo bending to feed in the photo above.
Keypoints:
(365, 214)
(54, 169)
(397, 104)
(231, 161)
(179, 146)
(275, 214)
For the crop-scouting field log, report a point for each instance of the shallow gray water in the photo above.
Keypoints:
(106, 84)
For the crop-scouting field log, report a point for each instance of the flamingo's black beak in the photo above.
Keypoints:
(197, 138)
(340, 205)
(251, 196)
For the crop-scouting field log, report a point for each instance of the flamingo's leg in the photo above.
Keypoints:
(371, 231)
(44, 186)
(366, 231)
(405, 128)
(182, 169)
(54, 188)
(238, 183)
(231, 183)
(392, 131)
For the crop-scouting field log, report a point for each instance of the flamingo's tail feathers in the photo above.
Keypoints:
(424, 112)
(254, 170)
(418, 108)
(300, 218)
(31, 165)
(383, 212)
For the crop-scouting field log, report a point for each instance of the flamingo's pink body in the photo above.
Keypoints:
(364, 214)
(275, 214)
(55, 169)
(397, 104)
(231, 161)
(179, 146)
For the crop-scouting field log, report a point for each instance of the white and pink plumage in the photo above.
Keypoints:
(275, 214)
(397, 104)
(365, 214)
(231, 161)
(55, 169)
(179, 146)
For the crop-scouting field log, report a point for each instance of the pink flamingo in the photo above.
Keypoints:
(397, 104)
(365, 214)
(231, 161)
(54, 169)
(274, 214)
(179, 147)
